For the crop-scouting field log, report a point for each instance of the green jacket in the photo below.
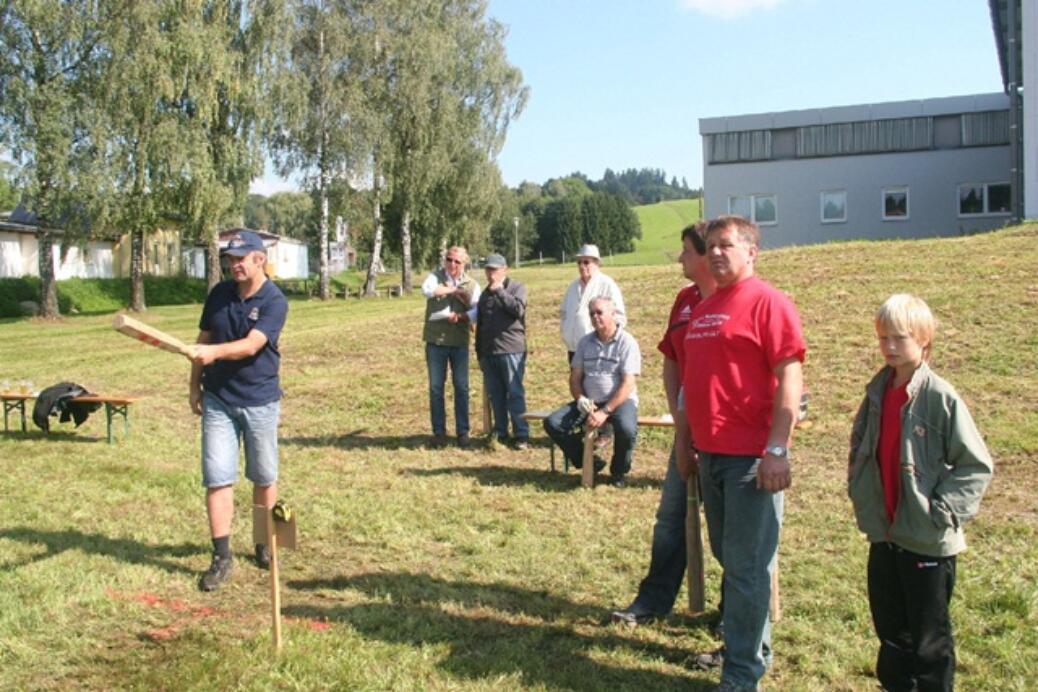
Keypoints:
(945, 467)
(442, 332)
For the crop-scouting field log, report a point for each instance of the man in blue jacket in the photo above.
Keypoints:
(235, 388)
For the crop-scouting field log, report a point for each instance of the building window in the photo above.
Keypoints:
(760, 209)
(895, 204)
(981, 199)
(834, 206)
(865, 137)
(727, 147)
(985, 129)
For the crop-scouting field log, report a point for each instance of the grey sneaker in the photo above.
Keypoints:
(262, 556)
(710, 661)
(634, 615)
(219, 570)
(522, 443)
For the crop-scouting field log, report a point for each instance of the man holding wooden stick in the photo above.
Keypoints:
(235, 388)
(744, 350)
(658, 591)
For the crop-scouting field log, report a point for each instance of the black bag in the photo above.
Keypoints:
(57, 399)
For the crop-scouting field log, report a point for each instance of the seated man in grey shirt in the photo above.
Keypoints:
(603, 373)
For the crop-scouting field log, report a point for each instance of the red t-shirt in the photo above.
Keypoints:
(734, 340)
(672, 345)
(888, 450)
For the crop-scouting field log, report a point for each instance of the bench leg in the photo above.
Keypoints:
(21, 407)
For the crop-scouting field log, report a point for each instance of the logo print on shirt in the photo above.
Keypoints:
(254, 314)
(685, 311)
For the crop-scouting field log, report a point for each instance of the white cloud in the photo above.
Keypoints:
(728, 9)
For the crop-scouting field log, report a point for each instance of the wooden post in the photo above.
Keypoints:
(587, 471)
(775, 606)
(275, 587)
(694, 544)
(487, 419)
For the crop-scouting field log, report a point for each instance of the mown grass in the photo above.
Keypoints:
(480, 569)
(661, 232)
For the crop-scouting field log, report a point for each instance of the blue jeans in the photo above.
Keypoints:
(503, 374)
(224, 428)
(436, 359)
(743, 523)
(559, 426)
(659, 589)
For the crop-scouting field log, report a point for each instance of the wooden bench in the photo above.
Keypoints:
(114, 406)
(587, 479)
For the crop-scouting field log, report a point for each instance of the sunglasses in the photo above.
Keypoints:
(585, 262)
(452, 260)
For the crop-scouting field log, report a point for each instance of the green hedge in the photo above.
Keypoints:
(100, 295)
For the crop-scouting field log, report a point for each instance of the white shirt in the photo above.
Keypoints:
(575, 321)
(432, 281)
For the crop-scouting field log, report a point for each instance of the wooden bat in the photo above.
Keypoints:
(694, 544)
(149, 335)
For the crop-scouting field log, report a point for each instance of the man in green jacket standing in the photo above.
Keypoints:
(450, 309)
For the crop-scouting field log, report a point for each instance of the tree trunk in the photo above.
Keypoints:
(137, 270)
(376, 243)
(48, 288)
(212, 261)
(322, 232)
(406, 282)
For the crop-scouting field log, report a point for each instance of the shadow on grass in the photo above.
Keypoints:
(122, 549)
(423, 610)
(542, 478)
(358, 440)
(32, 435)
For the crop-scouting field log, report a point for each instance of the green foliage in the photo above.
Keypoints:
(91, 296)
(599, 217)
(645, 186)
(288, 214)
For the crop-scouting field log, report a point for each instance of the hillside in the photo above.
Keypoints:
(661, 227)
(481, 569)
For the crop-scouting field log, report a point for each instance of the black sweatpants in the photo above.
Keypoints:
(909, 595)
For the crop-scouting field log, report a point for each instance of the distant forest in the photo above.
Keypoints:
(644, 186)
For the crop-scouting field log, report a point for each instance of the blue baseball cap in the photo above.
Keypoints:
(242, 243)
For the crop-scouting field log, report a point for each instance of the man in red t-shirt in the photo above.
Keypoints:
(742, 384)
(659, 589)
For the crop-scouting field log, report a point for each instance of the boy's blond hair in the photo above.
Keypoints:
(903, 313)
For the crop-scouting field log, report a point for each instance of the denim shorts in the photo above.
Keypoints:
(223, 429)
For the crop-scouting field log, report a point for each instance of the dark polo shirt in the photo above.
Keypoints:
(251, 381)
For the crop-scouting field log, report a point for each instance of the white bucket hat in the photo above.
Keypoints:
(589, 251)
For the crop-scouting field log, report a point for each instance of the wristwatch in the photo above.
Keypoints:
(777, 451)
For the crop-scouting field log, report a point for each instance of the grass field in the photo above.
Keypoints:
(425, 569)
(661, 232)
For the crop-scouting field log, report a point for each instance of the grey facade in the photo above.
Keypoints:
(905, 169)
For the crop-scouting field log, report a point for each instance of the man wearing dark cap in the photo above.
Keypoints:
(235, 388)
(501, 349)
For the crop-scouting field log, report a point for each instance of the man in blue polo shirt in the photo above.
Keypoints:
(235, 388)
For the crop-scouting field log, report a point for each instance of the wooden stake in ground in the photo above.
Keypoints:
(694, 544)
(275, 527)
(155, 337)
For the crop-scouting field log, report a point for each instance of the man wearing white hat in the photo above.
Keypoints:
(592, 283)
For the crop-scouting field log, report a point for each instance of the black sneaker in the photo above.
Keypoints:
(634, 615)
(710, 661)
(463, 441)
(438, 441)
(618, 481)
(262, 556)
(219, 570)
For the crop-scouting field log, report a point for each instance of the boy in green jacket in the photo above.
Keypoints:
(917, 470)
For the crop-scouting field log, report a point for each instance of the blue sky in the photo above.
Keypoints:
(622, 83)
